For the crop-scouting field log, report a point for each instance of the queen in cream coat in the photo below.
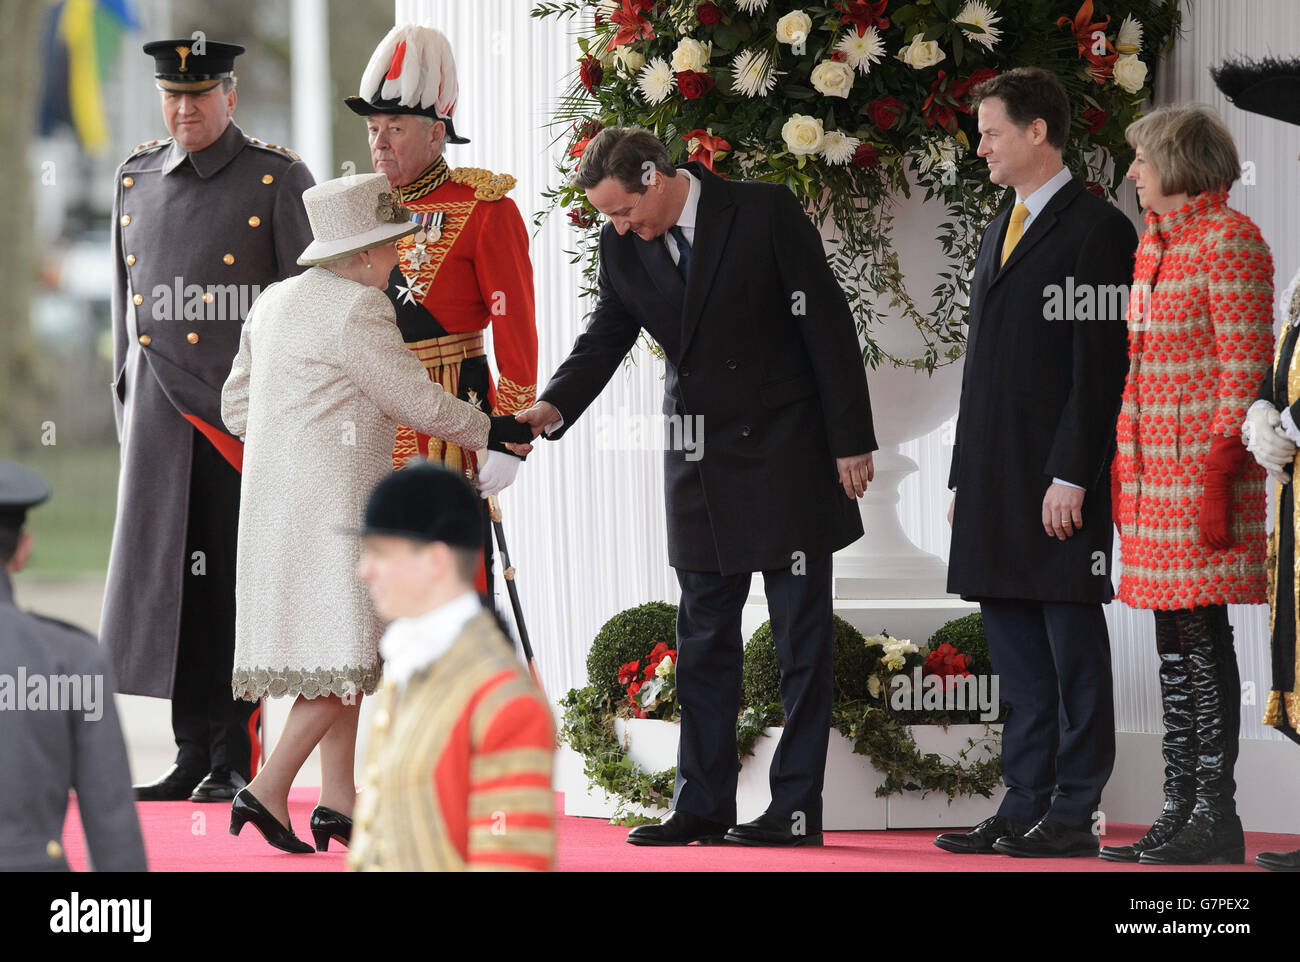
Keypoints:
(321, 382)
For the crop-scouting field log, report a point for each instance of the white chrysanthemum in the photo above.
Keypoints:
(1129, 40)
(753, 74)
(981, 15)
(752, 6)
(838, 148)
(656, 80)
(862, 50)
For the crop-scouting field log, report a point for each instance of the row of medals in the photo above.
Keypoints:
(430, 232)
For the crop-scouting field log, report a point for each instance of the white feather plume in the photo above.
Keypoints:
(379, 63)
(428, 75)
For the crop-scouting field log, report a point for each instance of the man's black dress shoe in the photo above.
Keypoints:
(1279, 861)
(769, 829)
(219, 785)
(246, 808)
(174, 786)
(1049, 839)
(328, 824)
(979, 840)
(678, 828)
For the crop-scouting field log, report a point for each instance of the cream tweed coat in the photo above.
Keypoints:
(321, 382)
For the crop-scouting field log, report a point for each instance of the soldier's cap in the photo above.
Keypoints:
(412, 71)
(20, 489)
(192, 66)
(424, 502)
(1270, 86)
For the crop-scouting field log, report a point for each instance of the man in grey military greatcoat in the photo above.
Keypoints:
(203, 222)
(58, 724)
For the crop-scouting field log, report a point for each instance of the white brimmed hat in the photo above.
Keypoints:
(352, 214)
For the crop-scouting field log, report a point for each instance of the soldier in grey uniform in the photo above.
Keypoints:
(58, 724)
(203, 222)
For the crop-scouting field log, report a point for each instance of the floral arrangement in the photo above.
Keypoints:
(949, 664)
(652, 692)
(851, 103)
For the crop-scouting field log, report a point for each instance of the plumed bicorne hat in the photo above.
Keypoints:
(412, 71)
(1270, 86)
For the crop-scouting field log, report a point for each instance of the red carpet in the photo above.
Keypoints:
(187, 837)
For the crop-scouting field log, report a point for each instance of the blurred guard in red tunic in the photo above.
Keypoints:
(468, 265)
(458, 770)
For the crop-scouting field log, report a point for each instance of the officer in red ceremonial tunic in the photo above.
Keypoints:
(468, 265)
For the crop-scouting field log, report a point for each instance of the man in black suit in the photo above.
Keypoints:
(1046, 358)
(731, 279)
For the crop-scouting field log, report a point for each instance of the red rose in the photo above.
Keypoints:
(1094, 119)
(866, 156)
(979, 76)
(581, 217)
(838, 56)
(693, 84)
(708, 13)
(590, 73)
(884, 113)
(1096, 188)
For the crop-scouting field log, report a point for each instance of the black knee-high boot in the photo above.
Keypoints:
(1178, 745)
(1213, 833)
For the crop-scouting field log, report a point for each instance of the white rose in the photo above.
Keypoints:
(691, 55)
(629, 59)
(803, 134)
(1130, 73)
(794, 27)
(921, 53)
(832, 79)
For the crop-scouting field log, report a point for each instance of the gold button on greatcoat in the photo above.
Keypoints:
(254, 221)
(192, 337)
(130, 260)
(145, 340)
(229, 258)
(138, 299)
(267, 178)
(126, 219)
(208, 298)
(53, 849)
(128, 181)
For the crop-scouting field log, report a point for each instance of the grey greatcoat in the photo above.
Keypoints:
(73, 742)
(196, 237)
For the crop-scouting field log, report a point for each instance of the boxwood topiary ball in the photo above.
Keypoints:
(967, 636)
(850, 660)
(629, 636)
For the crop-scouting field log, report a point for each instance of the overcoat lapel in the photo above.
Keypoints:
(1041, 226)
(712, 231)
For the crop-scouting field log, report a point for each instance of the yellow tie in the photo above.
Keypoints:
(1014, 230)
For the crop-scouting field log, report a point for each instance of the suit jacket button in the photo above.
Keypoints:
(192, 337)
(744, 432)
(731, 364)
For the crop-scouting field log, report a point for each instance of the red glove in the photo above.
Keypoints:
(1115, 491)
(1222, 465)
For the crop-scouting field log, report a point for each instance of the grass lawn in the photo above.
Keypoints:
(74, 529)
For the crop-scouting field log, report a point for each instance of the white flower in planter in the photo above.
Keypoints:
(665, 667)
(839, 147)
(753, 74)
(979, 15)
(921, 53)
(803, 134)
(832, 78)
(862, 50)
(1130, 73)
(656, 81)
(873, 686)
(692, 55)
(794, 27)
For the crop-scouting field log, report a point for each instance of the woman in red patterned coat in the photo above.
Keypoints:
(1190, 503)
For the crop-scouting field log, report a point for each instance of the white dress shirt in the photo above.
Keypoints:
(411, 644)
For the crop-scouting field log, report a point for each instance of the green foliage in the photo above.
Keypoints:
(852, 662)
(628, 636)
(967, 636)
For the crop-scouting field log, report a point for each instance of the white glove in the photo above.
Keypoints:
(1265, 438)
(496, 472)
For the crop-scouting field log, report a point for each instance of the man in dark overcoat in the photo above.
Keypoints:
(1046, 359)
(203, 221)
(762, 357)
